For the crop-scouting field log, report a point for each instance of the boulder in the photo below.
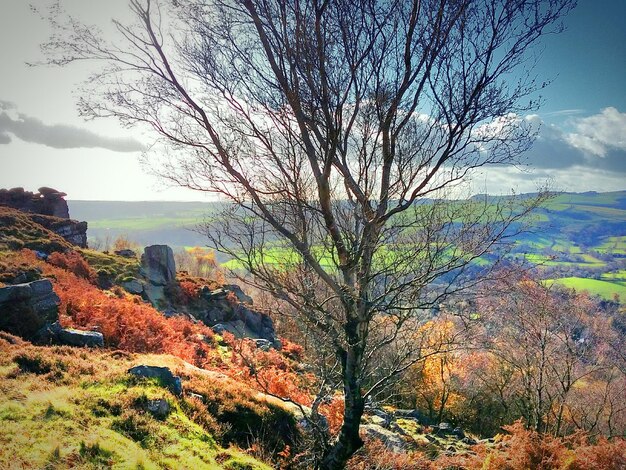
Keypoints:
(126, 253)
(215, 316)
(72, 337)
(377, 416)
(158, 266)
(159, 408)
(459, 433)
(54, 334)
(164, 374)
(412, 414)
(392, 440)
(133, 286)
(26, 308)
(252, 319)
(443, 429)
(73, 231)
(219, 328)
(263, 344)
(241, 296)
(373, 419)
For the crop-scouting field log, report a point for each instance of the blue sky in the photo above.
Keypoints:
(43, 142)
(588, 60)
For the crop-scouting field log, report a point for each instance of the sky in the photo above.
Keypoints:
(44, 142)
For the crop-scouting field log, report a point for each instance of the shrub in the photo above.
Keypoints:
(136, 426)
(95, 455)
(74, 263)
(35, 363)
(243, 418)
(125, 324)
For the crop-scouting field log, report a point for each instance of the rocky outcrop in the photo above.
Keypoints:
(157, 265)
(163, 374)
(31, 310)
(394, 441)
(228, 306)
(55, 334)
(229, 309)
(133, 286)
(49, 209)
(73, 231)
(401, 430)
(158, 270)
(26, 308)
(47, 201)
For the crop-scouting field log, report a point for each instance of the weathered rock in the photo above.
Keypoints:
(219, 328)
(73, 231)
(47, 201)
(443, 429)
(126, 253)
(469, 441)
(239, 294)
(155, 295)
(215, 294)
(263, 344)
(72, 337)
(164, 374)
(26, 308)
(373, 419)
(54, 334)
(458, 432)
(215, 315)
(159, 408)
(250, 318)
(196, 396)
(380, 417)
(158, 266)
(134, 286)
(392, 440)
(50, 210)
(414, 414)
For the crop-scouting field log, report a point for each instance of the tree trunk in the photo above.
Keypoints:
(348, 441)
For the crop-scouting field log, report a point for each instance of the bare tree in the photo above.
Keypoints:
(551, 341)
(335, 129)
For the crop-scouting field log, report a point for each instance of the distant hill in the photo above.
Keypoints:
(145, 222)
(574, 236)
(583, 218)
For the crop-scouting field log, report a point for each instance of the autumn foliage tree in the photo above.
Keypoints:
(540, 354)
(328, 126)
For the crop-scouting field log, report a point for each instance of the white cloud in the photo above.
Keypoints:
(60, 136)
(598, 134)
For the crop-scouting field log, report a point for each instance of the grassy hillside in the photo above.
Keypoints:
(63, 407)
(573, 235)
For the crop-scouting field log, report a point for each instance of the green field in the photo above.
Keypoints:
(582, 261)
(604, 289)
(616, 245)
(566, 234)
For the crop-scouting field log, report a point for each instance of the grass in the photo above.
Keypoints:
(582, 261)
(116, 268)
(604, 289)
(89, 414)
(18, 230)
(616, 245)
